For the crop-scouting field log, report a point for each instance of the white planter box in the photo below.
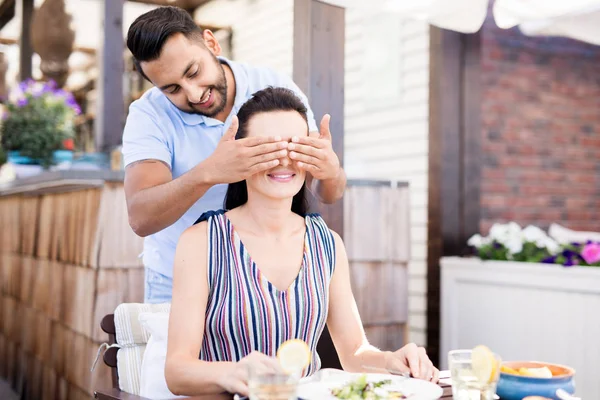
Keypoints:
(524, 311)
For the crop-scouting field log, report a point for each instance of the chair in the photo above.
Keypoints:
(124, 330)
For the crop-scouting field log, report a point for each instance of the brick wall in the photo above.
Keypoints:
(540, 130)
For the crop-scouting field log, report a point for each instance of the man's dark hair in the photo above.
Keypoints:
(266, 100)
(149, 32)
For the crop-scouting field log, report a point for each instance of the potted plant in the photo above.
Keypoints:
(38, 124)
(508, 242)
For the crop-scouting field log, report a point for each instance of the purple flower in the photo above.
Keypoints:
(497, 245)
(22, 102)
(569, 263)
(569, 253)
(549, 260)
(47, 88)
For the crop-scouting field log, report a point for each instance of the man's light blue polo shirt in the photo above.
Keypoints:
(158, 130)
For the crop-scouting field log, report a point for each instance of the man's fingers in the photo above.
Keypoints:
(304, 158)
(307, 167)
(310, 141)
(256, 168)
(259, 140)
(232, 130)
(307, 150)
(324, 131)
(266, 148)
(262, 158)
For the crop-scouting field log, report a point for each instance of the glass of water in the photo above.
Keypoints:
(465, 382)
(268, 385)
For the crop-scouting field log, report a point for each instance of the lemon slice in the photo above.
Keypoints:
(293, 355)
(508, 370)
(484, 364)
(543, 372)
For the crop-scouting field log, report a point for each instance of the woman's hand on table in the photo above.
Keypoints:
(236, 380)
(414, 360)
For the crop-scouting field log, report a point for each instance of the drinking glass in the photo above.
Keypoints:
(268, 385)
(465, 384)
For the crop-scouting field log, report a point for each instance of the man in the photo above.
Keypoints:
(179, 142)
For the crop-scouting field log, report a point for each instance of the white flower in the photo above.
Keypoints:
(549, 244)
(503, 233)
(514, 245)
(514, 229)
(475, 241)
(534, 234)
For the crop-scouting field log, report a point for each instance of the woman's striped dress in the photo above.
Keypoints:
(245, 312)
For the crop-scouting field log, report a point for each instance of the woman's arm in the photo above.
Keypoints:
(185, 373)
(348, 335)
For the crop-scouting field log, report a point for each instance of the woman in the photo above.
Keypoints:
(248, 279)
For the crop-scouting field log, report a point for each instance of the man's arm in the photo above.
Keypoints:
(328, 191)
(155, 200)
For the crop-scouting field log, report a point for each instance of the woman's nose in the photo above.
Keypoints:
(285, 161)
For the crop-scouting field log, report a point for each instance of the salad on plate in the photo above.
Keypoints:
(362, 388)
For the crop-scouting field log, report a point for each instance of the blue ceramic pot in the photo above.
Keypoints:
(15, 157)
(516, 387)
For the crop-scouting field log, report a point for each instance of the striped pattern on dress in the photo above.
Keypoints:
(246, 313)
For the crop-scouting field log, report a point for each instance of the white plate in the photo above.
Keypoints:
(320, 386)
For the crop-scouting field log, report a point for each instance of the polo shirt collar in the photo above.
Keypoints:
(241, 94)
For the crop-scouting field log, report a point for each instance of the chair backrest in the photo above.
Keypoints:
(124, 329)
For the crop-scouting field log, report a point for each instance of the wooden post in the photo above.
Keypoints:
(319, 71)
(454, 159)
(25, 49)
(111, 107)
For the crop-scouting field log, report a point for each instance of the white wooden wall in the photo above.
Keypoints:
(263, 30)
(386, 103)
(386, 125)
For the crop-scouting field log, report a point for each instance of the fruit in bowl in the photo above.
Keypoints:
(519, 379)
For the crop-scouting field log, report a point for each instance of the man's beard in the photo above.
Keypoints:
(219, 88)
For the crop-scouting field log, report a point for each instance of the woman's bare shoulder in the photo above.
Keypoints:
(193, 240)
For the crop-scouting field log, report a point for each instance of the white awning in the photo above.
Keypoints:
(577, 19)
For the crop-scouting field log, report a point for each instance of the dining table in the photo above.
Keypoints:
(444, 383)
